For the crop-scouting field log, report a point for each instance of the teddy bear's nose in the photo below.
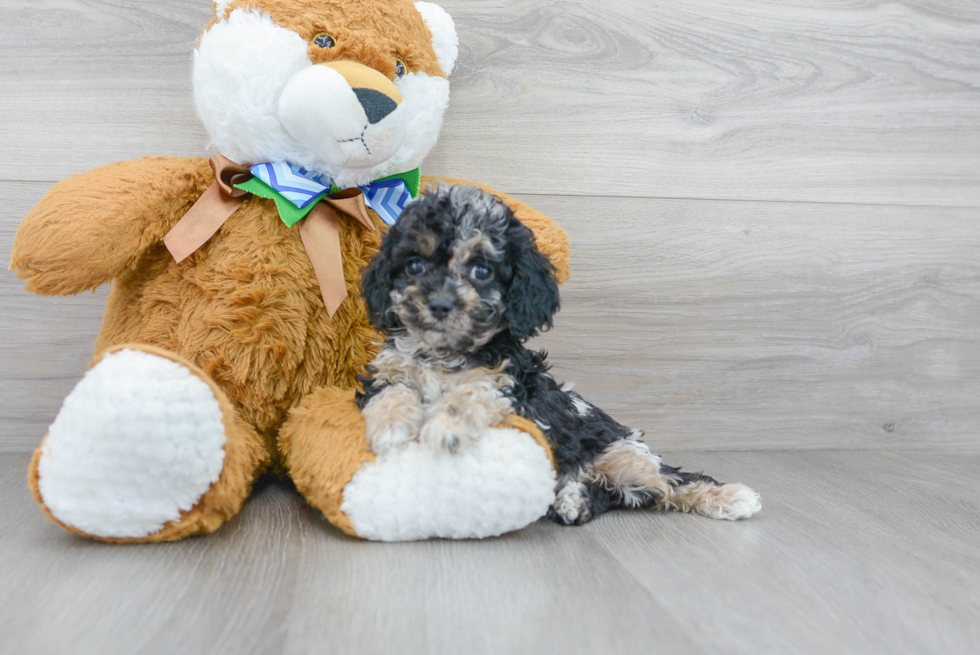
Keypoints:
(376, 104)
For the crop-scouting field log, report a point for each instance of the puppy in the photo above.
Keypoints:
(458, 286)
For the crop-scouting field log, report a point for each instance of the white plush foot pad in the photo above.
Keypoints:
(139, 439)
(501, 482)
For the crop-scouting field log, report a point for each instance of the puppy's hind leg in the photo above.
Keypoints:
(636, 477)
(579, 498)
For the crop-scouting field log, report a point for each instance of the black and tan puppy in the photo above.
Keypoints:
(459, 286)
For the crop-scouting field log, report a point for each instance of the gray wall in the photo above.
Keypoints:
(774, 209)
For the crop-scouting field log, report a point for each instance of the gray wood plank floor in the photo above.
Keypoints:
(854, 552)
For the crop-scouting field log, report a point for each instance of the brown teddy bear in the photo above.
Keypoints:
(234, 332)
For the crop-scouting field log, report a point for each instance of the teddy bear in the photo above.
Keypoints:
(234, 333)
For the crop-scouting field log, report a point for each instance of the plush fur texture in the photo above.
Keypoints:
(444, 39)
(89, 476)
(504, 482)
(245, 308)
(263, 94)
(321, 467)
(243, 456)
(244, 312)
(459, 285)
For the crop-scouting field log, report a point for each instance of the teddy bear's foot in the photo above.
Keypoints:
(137, 450)
(502, 482)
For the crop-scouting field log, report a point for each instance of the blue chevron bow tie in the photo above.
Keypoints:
(387, 196)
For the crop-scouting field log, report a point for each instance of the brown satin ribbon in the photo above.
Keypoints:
(212, 209)
(319, 230)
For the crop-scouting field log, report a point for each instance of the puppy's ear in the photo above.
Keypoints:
(376, 288)
(532, 298)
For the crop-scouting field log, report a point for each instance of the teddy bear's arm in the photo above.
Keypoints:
(94, 226)
(551, 238)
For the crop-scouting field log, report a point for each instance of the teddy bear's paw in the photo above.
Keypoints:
(137, 442)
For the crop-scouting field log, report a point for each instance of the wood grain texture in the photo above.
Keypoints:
(852, 101)
(854, 552)
(739, 325)
(715, 325)
(711, 324)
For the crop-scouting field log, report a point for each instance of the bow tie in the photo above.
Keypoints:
(299, 196)
(300, 187)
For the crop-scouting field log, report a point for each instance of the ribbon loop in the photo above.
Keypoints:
(227, 174)
(351, 202)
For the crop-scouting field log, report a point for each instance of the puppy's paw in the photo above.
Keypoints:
(386, 435)
(729, 502)
(384, 438)
(571, 506)
(445, 432)
(392, 419)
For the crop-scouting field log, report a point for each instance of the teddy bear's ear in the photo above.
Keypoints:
(444, 38)
(220, 6)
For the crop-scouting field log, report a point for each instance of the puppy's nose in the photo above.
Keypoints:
(440, 307)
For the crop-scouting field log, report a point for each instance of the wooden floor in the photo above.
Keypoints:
(854, 552)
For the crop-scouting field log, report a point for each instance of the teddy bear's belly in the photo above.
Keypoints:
(248, 311)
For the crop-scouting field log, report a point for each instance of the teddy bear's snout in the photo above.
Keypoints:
(377, 95)
(345, 112)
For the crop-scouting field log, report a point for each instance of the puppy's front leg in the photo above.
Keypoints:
(462, 415)
(393, 417)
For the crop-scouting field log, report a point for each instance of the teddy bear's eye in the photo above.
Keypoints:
(324, 40)
(400, 69)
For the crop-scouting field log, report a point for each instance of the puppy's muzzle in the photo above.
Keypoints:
(441, 306)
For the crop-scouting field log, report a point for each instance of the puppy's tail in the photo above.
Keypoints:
(635, 477)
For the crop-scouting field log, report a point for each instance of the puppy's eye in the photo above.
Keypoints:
(415, 267)
(481, 273)
(324, 40)
(400, 69)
